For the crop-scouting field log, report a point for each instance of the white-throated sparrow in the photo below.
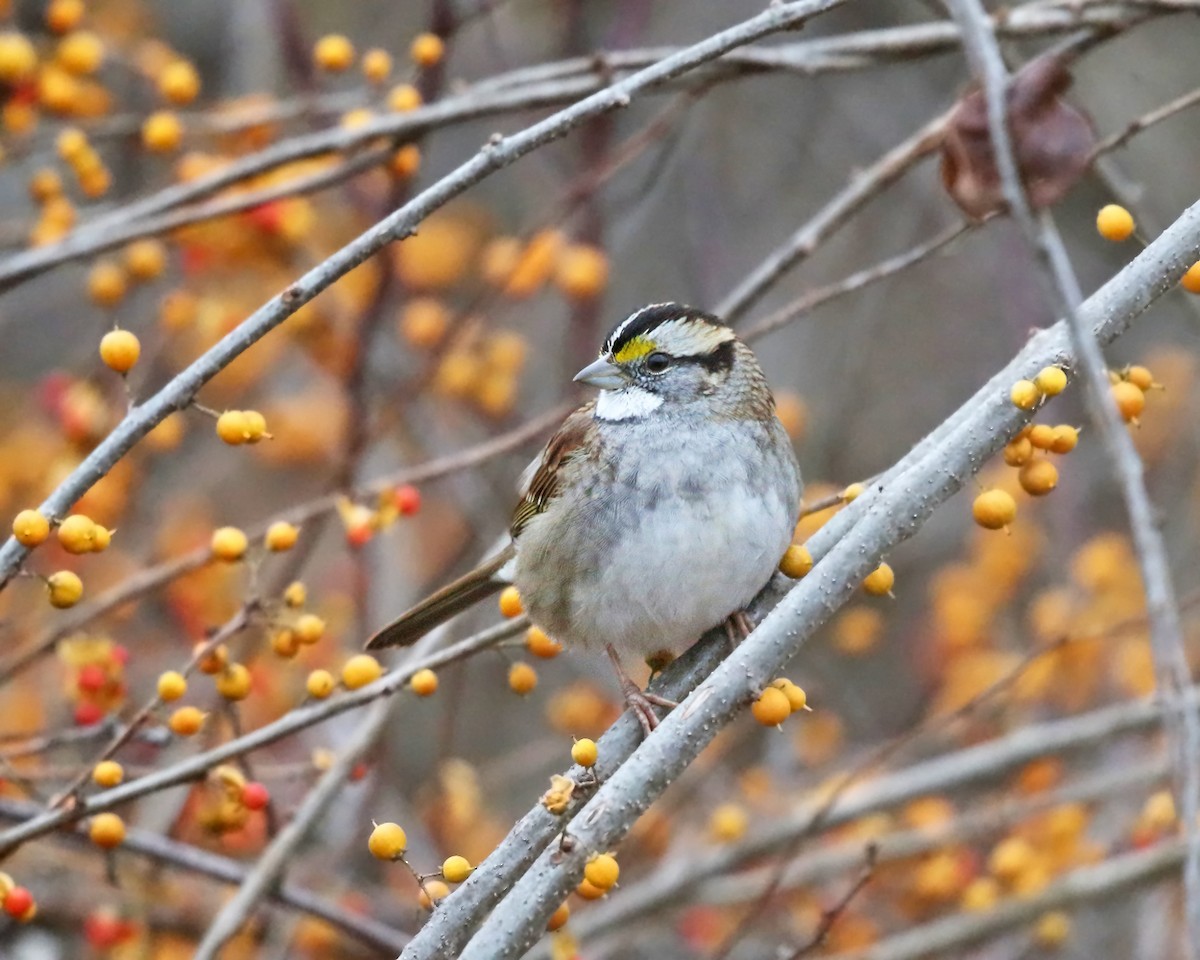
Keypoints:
(658, 510)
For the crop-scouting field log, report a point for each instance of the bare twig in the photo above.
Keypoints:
(830, 916)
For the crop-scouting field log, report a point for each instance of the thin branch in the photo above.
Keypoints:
(1172, 671)
(830, 916)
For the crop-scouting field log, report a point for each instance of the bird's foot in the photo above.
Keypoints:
(737, 628)
(640, 701)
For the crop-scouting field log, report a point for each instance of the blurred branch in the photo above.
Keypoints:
(884, 515)
(1144, 122)
(829, 917)
(1173, 673)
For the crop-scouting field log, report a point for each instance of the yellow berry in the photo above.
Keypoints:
(1051, 381)
(879, 582)
(171, 686)
(281, 536)
(771, 708)
(1064, 438)
(186, 721)
(101, 538)
(212, 662)
(994, 509)
(120, 349)
(424, 321)
(1017, 451)
(432, 892)
(376, 65)
(388, 841)
(1052, 929)
(981, 895)
(233, 683)
(797, 698)
(559, 918)
(146, 259)
(510, 603)
(1140, 377)
(333, 52)
(1010, 857)
(602, 871)
(80, 53)
(309, 628)
(1038, 477)
(107, 830)
(456, 869)
(427, 49)
(1041, 436)
(320, 684)
(581, 271)
(1130, 399)
(18, 59)
(229, 544)
(106, 283)
(66, 589)
(1025, 394)
(108, 773)
(77, 533)
(728, 823)
(360, 670)
(589, 891)
(179, 83)
(30, 528)
(796, 562)
(584, 752)
(424, 683)
(540, 645)
(64, 15)
(1114, 222)
(232, 427)
(1190, 281)
(162, 131)
(403, 97)
(522, 678)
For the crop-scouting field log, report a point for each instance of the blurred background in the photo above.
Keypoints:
(471, 330)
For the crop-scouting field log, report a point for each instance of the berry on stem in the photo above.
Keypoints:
(388, 841)
(772, 707)
(120, 350)
(424, 683)
(30, 528)
(1114, 222)
(994, 509)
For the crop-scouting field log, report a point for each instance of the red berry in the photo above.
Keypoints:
(17, 902)
(255, 796)
(359, 534)
(92, 678)
(88, 714)
(408, 499)
(120, 654)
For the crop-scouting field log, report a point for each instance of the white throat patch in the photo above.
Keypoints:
(628, 403)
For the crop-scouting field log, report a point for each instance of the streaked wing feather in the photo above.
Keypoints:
(544, 486)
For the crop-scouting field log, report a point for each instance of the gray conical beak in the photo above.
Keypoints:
(602, 374)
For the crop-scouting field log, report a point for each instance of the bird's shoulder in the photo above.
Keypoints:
(579, 433)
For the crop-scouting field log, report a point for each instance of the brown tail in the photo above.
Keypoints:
(447, 602)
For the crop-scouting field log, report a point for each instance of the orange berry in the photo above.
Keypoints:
(585, 752)
(71, 143)
(879, 582)
(19, 903)
(172, 685)
(1130, 399)
(406, 161)
(162, 132)
(360, 670)
(146, 259)
(534, 264)
(728, 823)
(589, 891)
(285, 643)
(1190, 281)
(320, 684)
(602, 871)
(120, 349)
(1064, 439)
(559, 918)
(1114, 222)
(981, 895)
(424, 683)
(581, 271)
(376, 65)
(796, 562)
(456, 869)
(45, 184)
(1010, 857)
(107, 773)
(1141, 377)
(427, 49)
(510, 603)
(1025, 394)
(30, 528)
(64, 15)
(522, 678)
(333, 52)
(77, 534)
(80, 53)
(18, 58)
(541, 645)
(1051, 381)
(771, 708)
(432, 892)
(186, 721)
(214, 660)
(403, 97)
(296, 594)
(388, 841)
(309, 628)
(179, 83)
(1018, 451)
(107, 830)
(1041, 436)
(797, 698)
(229, 544)
(424, 321)
(106, 283)
(233, 683)
(281, 536)
(994, 509)
(1038, 477)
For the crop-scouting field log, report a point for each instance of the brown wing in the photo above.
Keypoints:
(544, 486)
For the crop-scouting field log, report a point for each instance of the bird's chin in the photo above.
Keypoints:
(628, 403)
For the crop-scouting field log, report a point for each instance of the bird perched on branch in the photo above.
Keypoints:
(656, 512)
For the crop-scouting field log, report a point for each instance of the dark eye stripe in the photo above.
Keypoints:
(716, 361)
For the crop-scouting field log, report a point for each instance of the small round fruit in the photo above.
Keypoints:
(771, 708)
(108, 773)
(424, 683)
(879, 582)
(146, 259)
(162, 131)
(1130, 399)
(281, 536)
(1018, 451)
(510, 603)
(1140, 377)
(77, 533)
(728, 823)
(589, 891)
(333, 52)
(602, 871)
(994, 509)
(179, 83)
(171, 686)
(522, 678)
(1064, 439)
(30, 528)
(66, 589)
(403, 97)
(360, 670)
(229, 544)
(107, 830)
(584, 752)
(388, 841)
(456, 869)
(255, 796)
(186, 721)
(427, 49)
(1051, 381)
(309, 628)
(1038, 477)
(581, 271)
(376, 65)
(432, 891)
(233, 683)
(320, 684)
(540, 645)
(295, 595)
(1190, 281)
(1025, 394)
(232, 427)
(407, 499)
(796, 562)
(797, 698)
(559, 918)
(1041, 436)
(1114, 222)
(285, 643)
(18, 903)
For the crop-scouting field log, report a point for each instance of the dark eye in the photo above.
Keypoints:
(657, 362)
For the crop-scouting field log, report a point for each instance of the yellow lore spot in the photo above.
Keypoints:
(637, 347)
